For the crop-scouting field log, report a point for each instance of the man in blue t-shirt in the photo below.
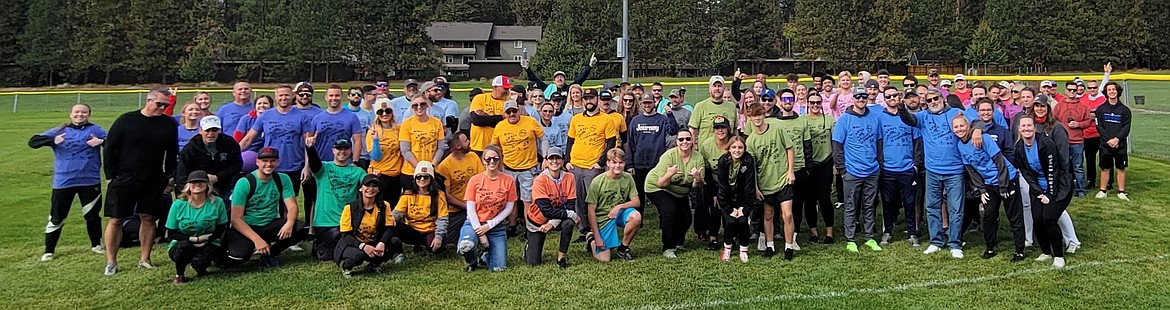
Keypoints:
(284, 128)
(944, 171)
(241, 104)
(898, 170)
(365, 115)
(857, 138)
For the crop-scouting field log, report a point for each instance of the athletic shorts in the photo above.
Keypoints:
(524, 181)
(1114, 160)
(125, 198)
(774, 199)
(609, 231)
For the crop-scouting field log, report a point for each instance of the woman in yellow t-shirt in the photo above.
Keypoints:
(419, 137)
(385, 152)
(422, 211)
(367, 234)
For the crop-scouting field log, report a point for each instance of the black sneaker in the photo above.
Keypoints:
(814, 239)
(580, 238)
(563, 262)
(769, 252)
(513, 232)
(470, 268)
(483, 259)
(1017, 257)
(989, 254)
(625, 253)
(828, 239)
(201, 271)
(588, 242)
(270, 261)
(788, 253)
(712, 246)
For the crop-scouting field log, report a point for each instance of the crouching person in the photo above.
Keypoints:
(367, 234)
(196, 222)
(422, 212)
(554, 194)
(258, 224)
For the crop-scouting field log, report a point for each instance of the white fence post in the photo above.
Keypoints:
(15, 99)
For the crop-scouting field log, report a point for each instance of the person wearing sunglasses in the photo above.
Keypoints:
(1075, 117)
(768, 100)
(944, 172)
(707, 221)
(385, 152)
(909, 82)
(490, 198)
(676, 109)
(138, 144)
(612, 204)
(422, 212)
(821, 170)
(677, 176)
(648, 131)
(897, 177)
(284, 128)
(442, 107)
(774, 149)
(1095, 98)
(857, 141)
(213, 152)
(797, 129)
(383, 84)
(342, 177)
(659, 93)
(554, 196)
(77, 172)
(304, 98)
(241, 104)
(418, 138)
(367, 232)
(519, 138)
(365, 114)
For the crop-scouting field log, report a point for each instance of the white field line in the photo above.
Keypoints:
(891, 289)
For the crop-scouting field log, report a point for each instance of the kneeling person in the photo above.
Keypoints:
(555, 198)
(612, 198)
(196, 222)
(422, 211)
(367, 234)
(258, 224)
(337, 183)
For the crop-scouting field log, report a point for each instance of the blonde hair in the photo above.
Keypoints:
(185, 194)
(615, 154)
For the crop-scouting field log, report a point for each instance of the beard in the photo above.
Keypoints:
(591, 107)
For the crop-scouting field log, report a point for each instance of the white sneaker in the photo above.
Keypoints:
(111, 269)
(795, 246)
(1058, 262)
(295, 248)
(1043, 258)
(47, 257)
(1101, 195)
(931, 249)
(98, 249)
(762, 244)
(957, 253)
(669, 254)
(1123, 196)
(1072, 248)
(146, 265)
(743, 256)
(1027, 244)
(399, 258)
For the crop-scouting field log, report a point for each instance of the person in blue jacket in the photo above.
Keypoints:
(898, 169)
(76, 172)
(944, 171)
(647, 140)
(990, 176)
(857, 139)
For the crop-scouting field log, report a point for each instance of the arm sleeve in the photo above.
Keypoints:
(113, 151)
(175, 234)
(441, 226)
(375, 146)
(839, 156)
(549, 211)
(609, 143)
(314, 160)
(1126, 118)
(404, 147)
(535, 79)
(735, 91)
(39, 141)
(907, 117)
(503, 214)
(472, 216)
(584, 75)
(1002, 170)
(485, 120)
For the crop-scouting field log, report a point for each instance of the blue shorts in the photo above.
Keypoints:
(609, 231)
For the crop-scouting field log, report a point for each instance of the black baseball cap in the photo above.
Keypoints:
(267, 153)
(589, 92)
(370, 179)
(721, 121)
(342, 144)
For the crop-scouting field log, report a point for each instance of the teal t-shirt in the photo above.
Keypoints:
(264, 205)
(336, 187)
(194, 221)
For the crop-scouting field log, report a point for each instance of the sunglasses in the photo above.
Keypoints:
(656, 90)
(160, 103)
(381, 84)
(1071, 89)
(417, 105)
(815, 103)
(511, 111)
(947, 86)
(627, 100)
(491, 159)
(787, 99)
(908, 85)
(547, 111)
(355, 94)
(685, 139)
(892, 96)
(933, 99)
(304, 95)
(422, 177)
(862, 96)
(384, 111)
(435, 90)
(1015, 91)
(1092, 87)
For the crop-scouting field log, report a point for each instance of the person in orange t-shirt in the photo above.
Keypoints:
(554, 194)
(490, 197)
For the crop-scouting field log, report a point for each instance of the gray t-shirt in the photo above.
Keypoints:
(683, 117)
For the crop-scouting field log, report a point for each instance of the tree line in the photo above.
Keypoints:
(46, 42)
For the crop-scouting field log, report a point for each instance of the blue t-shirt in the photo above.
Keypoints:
(311, 111)
(446, 107)
(185, 135)
(1033, 154)
(555, 134)
(333, 126)
(938, 142)
(859, 135)
(366, 118)
(285, 133)
(897, 142)
(401, 108)
(665, 104)
(972, 114)
(981, 160)
(244, 125)
(75, 162)
(230, 112)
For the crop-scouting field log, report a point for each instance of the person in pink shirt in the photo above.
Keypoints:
(842, 96)
(1004, 101)
(962, 90)
(1093, 98)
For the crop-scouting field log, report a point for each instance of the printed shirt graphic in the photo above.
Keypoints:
(196, 221)
(858, 136)
(589, 134)
(770, 148)
(76, 163)
(391, 162)
(897, 142)
(417, 211)
(938, 142)
(680, 183)
(518, 141)
(336, 186)
(423, 137)
(490, 195)
(606, 193)
(821, 133)
(458, 172)
(368, 230)
(285, 133)
(797, 130)
(981, 160)
(543, 187)
(333, 126)
(704, 115)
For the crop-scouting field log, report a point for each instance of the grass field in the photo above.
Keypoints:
(1122, 264)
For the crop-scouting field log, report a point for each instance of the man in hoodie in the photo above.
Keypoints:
(857, 139)
(1075, 117)
(1113, 123)
(647, 135)
(944, 171)
(213, 152)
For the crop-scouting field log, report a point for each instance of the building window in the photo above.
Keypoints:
(468, 59)
(447, 59)
(493, 49)
(518, 44)
(450, 44)
(468, 44)
(517, 58)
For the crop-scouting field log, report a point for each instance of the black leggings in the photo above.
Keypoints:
(818, 199)
(736, 229)
(349, 256)
(707, 219)
(640, 183)
(240, 248)
(674, 217)
(799, 194)
(1092, 146)
(408, 235)
(1045, 227)
(310, 198)
(391, 189)
(62, 201)
(534, 246)
(186, 253)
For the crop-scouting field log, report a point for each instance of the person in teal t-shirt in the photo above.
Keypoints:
(337, 184)
(264, 214)
(196, 222)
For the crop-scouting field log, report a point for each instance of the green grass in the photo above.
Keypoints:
(1121, 266)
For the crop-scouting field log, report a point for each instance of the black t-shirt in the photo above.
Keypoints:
(141, 148)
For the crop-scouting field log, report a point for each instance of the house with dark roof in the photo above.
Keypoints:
(483, 49)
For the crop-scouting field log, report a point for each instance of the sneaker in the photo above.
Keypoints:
(726, 256)
(886, 239)
(348, 273)
(957, 253)
(470, 268)
(563, 262)
(989, 254)
(873, 245)
(1043, 258)
(680, 248)
(852, 247)
(769, 252)
(111, 269)
(1027, 244)
(795, 246)
(1017, 257)
(814, 239)
(1080, 194)
(98, 249)
(146, 265)
(46, 257)
(399, 258)
(712, 246)
(828, 239)
(1058, 262)
(270, 261)
(1122, 196)
(179, 280)
(1072, 248)
(580, 238)
(788, 254)
(625, 254)
(762, 243)
(838, 205)
(669, 253)
(376, 268)
(932, 249)
(483, 258)
(588, 242)
(743, 256)
(296, 248)
(914, 241)
(1101, 195)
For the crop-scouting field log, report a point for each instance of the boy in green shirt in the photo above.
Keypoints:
(797, 129)
(612, 199)
(774, 150)
(258, 225)
(337, 184)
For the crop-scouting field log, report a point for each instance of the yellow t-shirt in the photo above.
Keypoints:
(369, 230)
(417, 211)
(457, 172)
(391, 162)
(518, 141)
(424, 138)
(620, 120)
(589, 134)
(481, 136)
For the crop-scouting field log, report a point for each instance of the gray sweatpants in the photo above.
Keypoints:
(583, 176)
(859, 191)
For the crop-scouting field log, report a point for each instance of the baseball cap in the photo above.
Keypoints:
(268, 152)
(1079, 81)
(675, 92)
(720, 121)
(1047, 84)
(605, 94)
(209, 122)
(768, 93)
(555, 151)
(558, 96)
(715, 79)
(945, 83)
(560, 73)
(871, 84)
(425, 168)
(382, 103)
(1005, 84)
(371, 179)
(589, 93)
(519, 88)
(860, 91)
(960, 77)
(510, 104)
(342, 144)
(646, 97)
(911, 93)
(303, 87)
(409, 82)
(197, 176)
(502, 81)
(883, 72)
(638, 85)
(427, 86)
(933, 72)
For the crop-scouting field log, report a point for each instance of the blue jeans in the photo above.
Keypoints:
(1077, 154)
(497, 254)
(936, 184)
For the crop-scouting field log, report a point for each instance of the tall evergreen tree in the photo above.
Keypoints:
(986, 47)
(532, 12)
(11, 29)
(44, 41)
(99, 43)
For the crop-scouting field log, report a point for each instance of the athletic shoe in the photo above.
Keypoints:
(295, 248)
(483, 258)
(1027, 244)
(762, 243)
(769, 252)
(1122, 196)
(712, 246)
(580, 238)
(852, 247)
(347, 273)
(743, 256)
(111, 269)
(625, 254)
(957, 253)
(270, 261)
(98, 249)
(873, 245)
(886, 239)
(398, 258)
(914, 241)
(376, 268)
(1017, 257)
(814, 239)
(1043, 258)
(726, 256)
(589, 242)
(146, 265)
(1072, 248)
(179, 280)
(680, 248)
(931, 249)
(1080, 194)
(563, 262)
(1058, 262)
(669, 253)
(828, 239)
(788, 253)
(795, 246)
(989, 254)
(200, 271)
(470, 268)
(46, 257)
(1101, 195)
(838, 205)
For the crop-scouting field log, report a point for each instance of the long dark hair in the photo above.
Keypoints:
(431, 190)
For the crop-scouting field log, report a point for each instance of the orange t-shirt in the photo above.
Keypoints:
(543, 187)
(490, 196)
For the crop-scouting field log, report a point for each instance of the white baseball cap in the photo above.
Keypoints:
(1047, 84)
(715, 79)
(960, 77)
(945, 83)
(210, 122)
(502, 81)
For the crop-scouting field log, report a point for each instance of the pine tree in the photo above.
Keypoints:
(98, 43)
(44, 41)
(10, 32)
(986, 47)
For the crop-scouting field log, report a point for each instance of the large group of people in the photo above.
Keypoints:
(379, 173)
